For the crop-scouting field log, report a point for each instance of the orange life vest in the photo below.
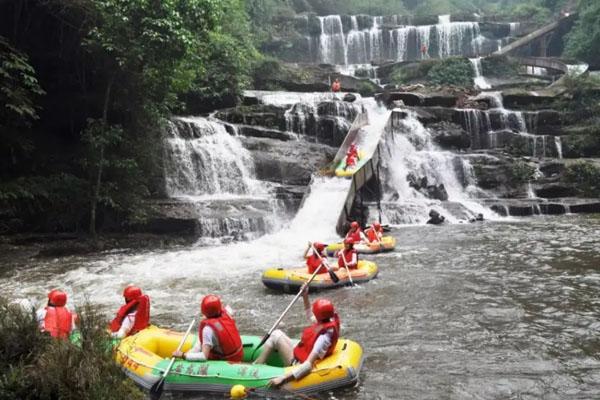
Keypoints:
(348, 255)
(312, 333)
(58, 322)
(141, 306)
(354, 235)
(228, 335)
(313, 262)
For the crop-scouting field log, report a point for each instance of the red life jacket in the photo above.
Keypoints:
(58, 322)
(313, 262)
(351, 160)
(141, 306)
(355, 236)
(372, 235)
(312, 333)
(348, 255)
(228, 335)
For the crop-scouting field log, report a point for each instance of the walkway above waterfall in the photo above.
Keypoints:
(537, 34)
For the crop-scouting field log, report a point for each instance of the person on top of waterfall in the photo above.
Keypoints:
(424, 50)
(336, 86)
(355, 233)
(316, 260)
(348, 256)
(317, 341)
(374, 233)
(352, 156)
(219, 338)
(133, 316)
(55, 318)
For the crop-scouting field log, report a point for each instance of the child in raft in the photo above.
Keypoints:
(317, 342)
(318, 259)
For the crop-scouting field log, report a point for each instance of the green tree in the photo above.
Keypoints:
(456, 71)
(583, 43)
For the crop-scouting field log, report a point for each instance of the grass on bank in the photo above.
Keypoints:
(35, 366)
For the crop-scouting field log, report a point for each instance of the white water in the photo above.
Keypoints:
(376, 43)
(400, 158)
(202, 159)
(479, 80)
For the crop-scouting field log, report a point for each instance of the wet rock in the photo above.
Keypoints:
(435, 218)
(450, 136)
(553, 208)
(257, 131)
(526, 100)
(555, 190)
(349, 97)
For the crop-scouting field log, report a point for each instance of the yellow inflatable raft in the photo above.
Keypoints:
(388, 243)
(145, 356)
(342, 171)
(290, 280)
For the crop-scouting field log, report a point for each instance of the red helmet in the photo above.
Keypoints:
(348, 241)
(376, 225)
(323, 309)
(319, 246)
(57, 298)
(131, 293)
(211, 306)
(354, 225)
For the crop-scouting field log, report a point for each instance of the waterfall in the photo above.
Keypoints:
(201, 158)
(514, 28)
(558, 144)
(480, 81)
(445, 171)
(363, 44)
(443, 19)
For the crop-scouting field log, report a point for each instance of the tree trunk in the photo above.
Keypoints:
(98, 180)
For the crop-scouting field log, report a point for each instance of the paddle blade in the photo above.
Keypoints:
(333, 276)
(156, 390)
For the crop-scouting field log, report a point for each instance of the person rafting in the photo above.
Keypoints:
(336, 86)
(374, 233)
(55, 318)
(133, 316)
(316, 260)
(355, 233)
(352, 156)
(219, 338)
(317, 341)
(349, 254)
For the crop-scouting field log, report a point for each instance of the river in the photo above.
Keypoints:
(493, 310)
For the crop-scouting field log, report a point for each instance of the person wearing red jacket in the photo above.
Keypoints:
(313, 260)
(374, 233)
(352, 156)
(336, 86)
(133, 316)
(355, 233)
(55, 318)
(349, 254)
(317, 341)
(218, 336)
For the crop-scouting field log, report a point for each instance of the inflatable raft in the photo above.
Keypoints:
(388, 243)
(146, 354)
(290, 280)
(341, 170)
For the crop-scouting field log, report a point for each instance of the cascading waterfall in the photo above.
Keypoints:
(441, 169)
(361, 45)
(558, 144)
(202, 159)
(480, 81)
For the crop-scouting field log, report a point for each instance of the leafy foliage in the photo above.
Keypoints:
(499, 66)
(583, 42)
(36, 367)
(408, 73)
(586, 176)
(452, 71)
(522, 172)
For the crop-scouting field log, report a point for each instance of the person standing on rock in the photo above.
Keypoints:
(55, 318)
(317, 341)
(133, 316)
(218, 335)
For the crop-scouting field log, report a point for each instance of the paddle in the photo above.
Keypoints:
(347, 269)
(156, 390)
(334, 277)
(332, 274)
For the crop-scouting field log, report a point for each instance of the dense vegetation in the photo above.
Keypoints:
(36, 367)
(454, 71)
(584, 40)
